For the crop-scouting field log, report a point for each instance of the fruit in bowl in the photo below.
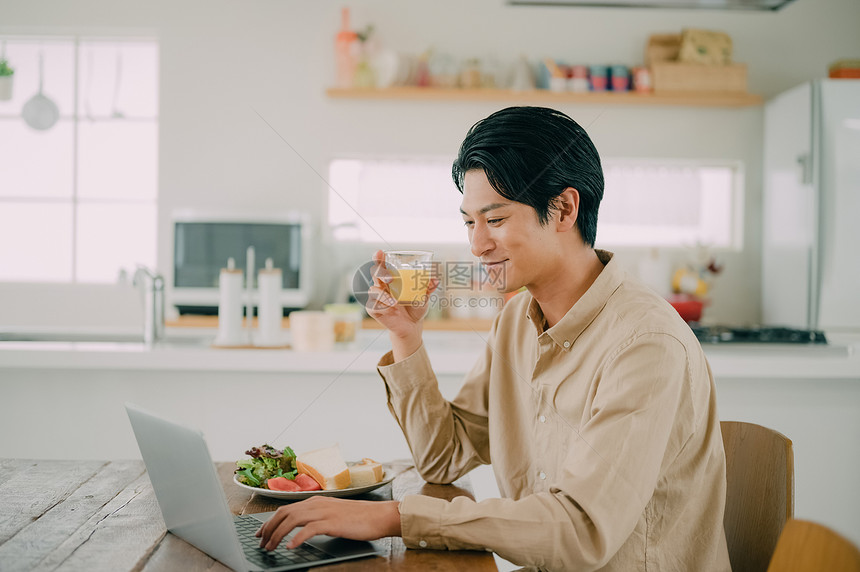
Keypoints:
(688, 281)
(689, 307)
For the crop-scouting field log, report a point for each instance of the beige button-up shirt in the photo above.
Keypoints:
(602, 431)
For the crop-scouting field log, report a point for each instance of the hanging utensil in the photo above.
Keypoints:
(89, 84)
(115, 112)
(40, 112)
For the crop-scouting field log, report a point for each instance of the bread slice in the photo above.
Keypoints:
(367, 472)
(326, 466)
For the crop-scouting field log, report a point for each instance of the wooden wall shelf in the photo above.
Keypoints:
(696, 99)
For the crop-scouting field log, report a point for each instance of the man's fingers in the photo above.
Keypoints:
(285, 527)
(265, 531)
(277, 535)
(379, 299)
(276, 528)
(381, 274)
(308, 531)
(433, 284)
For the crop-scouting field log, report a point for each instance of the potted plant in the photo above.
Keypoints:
(6, 74)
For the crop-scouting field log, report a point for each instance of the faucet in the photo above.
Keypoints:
(151, 284)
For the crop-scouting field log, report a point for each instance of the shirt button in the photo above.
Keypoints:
(423, 544)
(566, 344)
(542, 418)
(542, 475)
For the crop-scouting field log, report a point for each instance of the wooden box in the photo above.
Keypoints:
(668, 75)
(675, 76)
(662, 48)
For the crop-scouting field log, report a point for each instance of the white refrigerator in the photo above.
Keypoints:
(811, 207)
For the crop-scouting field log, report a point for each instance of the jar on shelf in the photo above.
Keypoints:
(364, 75)
(641, 79)
(470, 74)
(599, 77)
(620, 78)
(347, 321)
(578, 80)
(443, 70)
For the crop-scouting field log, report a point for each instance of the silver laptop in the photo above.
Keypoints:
(195, 508)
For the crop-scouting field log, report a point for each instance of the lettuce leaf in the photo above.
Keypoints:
(265, 463)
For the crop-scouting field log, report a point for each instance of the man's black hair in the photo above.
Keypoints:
(530, 155)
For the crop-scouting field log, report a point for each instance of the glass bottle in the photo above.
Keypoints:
(345, 48)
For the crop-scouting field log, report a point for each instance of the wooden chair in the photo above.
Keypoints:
(759, 493)
(810, 547)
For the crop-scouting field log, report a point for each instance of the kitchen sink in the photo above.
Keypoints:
(104, 337)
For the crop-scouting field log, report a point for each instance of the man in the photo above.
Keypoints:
(593, 400)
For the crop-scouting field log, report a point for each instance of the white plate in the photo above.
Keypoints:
(388, 476)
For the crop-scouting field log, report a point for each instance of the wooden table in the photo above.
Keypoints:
(96, 515)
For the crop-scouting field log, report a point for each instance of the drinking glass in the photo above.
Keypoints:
(411, 273)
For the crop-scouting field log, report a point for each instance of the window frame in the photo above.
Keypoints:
(735, 209)
(75, 201)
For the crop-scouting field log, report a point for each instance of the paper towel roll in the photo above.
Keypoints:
(230, 331)
(269, 310)
(249, 288)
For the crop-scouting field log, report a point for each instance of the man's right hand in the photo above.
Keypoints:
(404, 322)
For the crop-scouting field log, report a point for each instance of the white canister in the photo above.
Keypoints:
(311, 331)
(270, 311)
(230, 331)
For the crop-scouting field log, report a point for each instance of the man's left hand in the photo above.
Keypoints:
(359, 520)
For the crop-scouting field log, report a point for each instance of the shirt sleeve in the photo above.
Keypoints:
(609, 474)
(447, 439)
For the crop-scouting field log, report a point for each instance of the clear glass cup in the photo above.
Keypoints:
(411, 271)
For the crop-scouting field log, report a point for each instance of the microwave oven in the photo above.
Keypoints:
(203, 242)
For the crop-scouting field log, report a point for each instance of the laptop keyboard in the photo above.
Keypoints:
(247, 526)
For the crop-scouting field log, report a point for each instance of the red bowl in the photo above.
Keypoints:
(689, 308)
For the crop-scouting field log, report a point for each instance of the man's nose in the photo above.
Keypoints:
(480, 240)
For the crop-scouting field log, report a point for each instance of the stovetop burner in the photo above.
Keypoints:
(756, 335)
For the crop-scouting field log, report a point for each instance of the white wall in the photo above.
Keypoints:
(245, 123)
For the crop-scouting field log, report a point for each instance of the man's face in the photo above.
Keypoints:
(506, 235)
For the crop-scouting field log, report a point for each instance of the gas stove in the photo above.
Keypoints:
(756, 335)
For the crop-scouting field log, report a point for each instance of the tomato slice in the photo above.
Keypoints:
(307, 483)
(283, 484)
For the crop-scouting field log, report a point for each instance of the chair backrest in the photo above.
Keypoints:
(809, 547)
(759, 493)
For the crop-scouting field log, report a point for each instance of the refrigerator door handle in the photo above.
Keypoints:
(805, 162)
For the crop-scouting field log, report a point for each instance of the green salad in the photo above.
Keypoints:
(265, 463)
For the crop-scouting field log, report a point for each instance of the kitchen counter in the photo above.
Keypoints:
(452, 353)
(64, 400)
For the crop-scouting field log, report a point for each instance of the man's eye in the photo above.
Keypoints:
(494, 220)
(468, 222)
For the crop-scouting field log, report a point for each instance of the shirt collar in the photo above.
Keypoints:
(583, 312)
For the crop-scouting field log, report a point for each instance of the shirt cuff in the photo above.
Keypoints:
(406, 374)
(421, 522)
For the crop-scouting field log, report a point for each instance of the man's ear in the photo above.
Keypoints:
(568, 209)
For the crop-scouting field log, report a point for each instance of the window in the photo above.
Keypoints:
(670, 204)
(395, 201)
(78, 199)
(646, 203)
